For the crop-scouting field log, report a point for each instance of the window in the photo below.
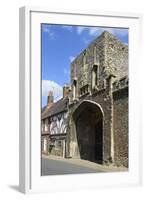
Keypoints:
(58, 144)
(95, 55)
(74, 89)
(84, 60)
(84, 90)
(95, 76)
(46, 125)
(43, 125)
(75, 70)
(104, 83)
(45, 144)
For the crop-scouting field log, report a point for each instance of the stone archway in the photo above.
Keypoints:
(88, 119)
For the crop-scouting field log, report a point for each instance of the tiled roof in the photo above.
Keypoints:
(43, 109)
(56, 108)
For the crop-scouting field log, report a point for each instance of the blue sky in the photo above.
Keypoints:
(60, 45)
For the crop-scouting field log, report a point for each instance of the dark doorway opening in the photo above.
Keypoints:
(88, 119)
(98, 142)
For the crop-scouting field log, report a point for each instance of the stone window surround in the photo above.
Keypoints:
(74, 89)
(95, 76)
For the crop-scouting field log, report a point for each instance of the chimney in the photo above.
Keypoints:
(50, 99)
(65, 90)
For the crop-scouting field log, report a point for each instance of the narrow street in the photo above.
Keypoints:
(57, 166)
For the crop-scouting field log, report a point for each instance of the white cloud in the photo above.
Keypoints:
(120, 32)
(96, 31)
(47, 30)
(85, 40)
(91, 30)
(80, 29)
(68, 28)
(66, 71)
(48, 85)
(71, 58)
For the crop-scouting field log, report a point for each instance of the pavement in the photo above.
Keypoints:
(54, 165)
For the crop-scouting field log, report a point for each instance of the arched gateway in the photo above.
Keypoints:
(88, 120)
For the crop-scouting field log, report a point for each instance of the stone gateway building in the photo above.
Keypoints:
(97, 113)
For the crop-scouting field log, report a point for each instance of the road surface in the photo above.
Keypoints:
(56, 167)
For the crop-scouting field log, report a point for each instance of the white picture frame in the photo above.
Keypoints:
(30, 179)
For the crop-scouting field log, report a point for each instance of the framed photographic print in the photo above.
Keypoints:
(79, 111)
